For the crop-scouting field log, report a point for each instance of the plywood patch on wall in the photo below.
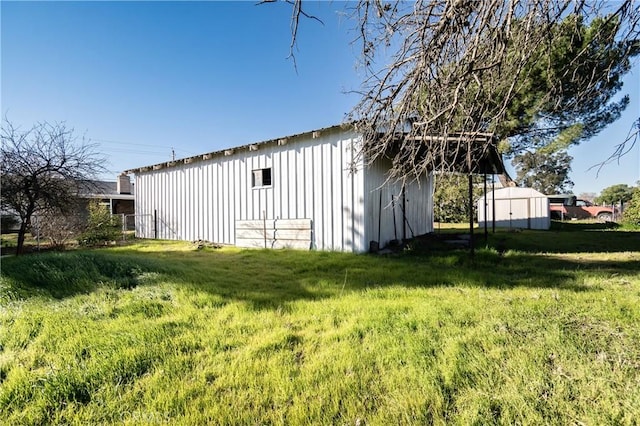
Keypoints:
(274, 233)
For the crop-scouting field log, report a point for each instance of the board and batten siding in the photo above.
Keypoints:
(384, 206)
(313, 178)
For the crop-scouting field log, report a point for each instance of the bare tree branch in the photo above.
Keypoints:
(297, 12)
(622, 149)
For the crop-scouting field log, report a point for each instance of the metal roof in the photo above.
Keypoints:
(104, 189)
(229, 151)
(485, 157)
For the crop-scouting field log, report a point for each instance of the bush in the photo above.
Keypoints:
(60, 228)
(102, 227)
(451, 197)
(632, 211)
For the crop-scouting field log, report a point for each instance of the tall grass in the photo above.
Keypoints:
(160, 333)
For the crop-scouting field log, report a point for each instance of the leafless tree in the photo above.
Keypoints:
(60, 228)
(43, 169)
(442, 75)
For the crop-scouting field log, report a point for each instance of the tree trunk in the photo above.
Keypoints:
(21, 234)
(506, 180)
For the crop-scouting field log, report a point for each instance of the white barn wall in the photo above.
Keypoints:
(418, 206)
(311, 179)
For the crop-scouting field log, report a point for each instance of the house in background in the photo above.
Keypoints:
(310, 190)
(119, 196)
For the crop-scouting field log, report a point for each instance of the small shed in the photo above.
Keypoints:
(514, 207)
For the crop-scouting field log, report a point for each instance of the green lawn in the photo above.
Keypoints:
(538, 328)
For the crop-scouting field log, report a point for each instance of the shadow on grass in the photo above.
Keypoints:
(571, 238)
(63, 274)
(269, 279)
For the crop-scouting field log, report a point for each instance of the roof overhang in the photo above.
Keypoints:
(108, 196)
(469, 153)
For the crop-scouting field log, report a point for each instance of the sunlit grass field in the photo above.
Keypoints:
(537, 328)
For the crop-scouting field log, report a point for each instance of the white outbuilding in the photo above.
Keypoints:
(310, 191)
(514, 207)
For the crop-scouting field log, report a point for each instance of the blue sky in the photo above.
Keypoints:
(141, 78)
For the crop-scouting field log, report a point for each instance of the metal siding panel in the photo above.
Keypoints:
(177, 198)
(230, 206)
(163, 208)
(246, 189)
(250, 192)
(188, 208)
(419, 207)
(260, 195)
(154, 182)
(327, 195)
(169, 202)
(279, 184)
(176, 218)
(237, 195)
(191, 205)
(218, 203)
(202, 210)
(183, 222)
(302, 202)
(224, 205)
(293, 182)
(196, 207)
(347, 197)
(268, 193)
(222, 193)
(208, 202)
(241, 200)
(306, 193)
(317, 189)
(360, 244)
(176, 201)
(338, 185)
(154, 205)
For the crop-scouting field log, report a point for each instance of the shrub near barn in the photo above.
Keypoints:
(102, 226)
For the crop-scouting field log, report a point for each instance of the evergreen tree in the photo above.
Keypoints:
(620, 193)
(546, 173)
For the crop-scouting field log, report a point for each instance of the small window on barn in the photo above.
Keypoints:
(261, 177)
